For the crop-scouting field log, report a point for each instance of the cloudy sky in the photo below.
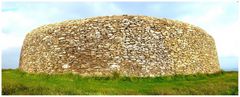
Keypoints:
(219, 19)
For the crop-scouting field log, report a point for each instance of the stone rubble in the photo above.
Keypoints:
(130, 45)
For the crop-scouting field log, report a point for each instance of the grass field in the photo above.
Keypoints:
(15, 82)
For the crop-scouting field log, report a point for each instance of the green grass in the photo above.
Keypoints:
(16, 82)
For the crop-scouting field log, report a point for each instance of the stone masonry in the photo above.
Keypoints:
(130, 45)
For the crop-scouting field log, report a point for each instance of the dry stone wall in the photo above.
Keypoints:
(130, 45)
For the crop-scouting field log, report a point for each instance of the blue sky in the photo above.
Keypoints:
(219, 19)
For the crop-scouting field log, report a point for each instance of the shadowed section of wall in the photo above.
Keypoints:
(129, 45)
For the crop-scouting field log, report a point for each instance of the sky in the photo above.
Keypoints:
(219, 19)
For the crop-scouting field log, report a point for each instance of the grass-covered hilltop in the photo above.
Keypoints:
(16, 82)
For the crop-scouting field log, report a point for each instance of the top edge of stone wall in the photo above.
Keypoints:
(148, 18)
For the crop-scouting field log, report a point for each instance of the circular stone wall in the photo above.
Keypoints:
(129, 45)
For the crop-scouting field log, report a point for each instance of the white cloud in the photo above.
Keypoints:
(211, 15)
(208, 17)
(225, 35)
(105, 9)
(227, 39)
(16, 21)
(15, 26)
(10, 40)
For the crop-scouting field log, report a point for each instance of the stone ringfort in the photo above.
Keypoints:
(130, 45)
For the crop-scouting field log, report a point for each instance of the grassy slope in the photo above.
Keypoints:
(17, 82)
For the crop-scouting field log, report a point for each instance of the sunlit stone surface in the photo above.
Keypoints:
(129, 45)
